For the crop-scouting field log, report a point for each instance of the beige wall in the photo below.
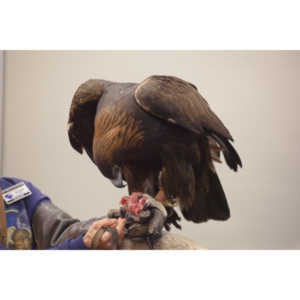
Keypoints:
(256, 94)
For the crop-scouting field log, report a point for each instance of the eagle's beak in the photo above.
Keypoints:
(117, 180)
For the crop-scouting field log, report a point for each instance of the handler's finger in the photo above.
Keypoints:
(120, 225)
(95, 227)
(105, 222)
(106, 237)
(121, 228)
(101, 223)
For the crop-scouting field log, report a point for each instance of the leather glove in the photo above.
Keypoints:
(145, 217)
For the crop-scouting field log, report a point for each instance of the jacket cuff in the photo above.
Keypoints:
(77, 244)
(3, 248)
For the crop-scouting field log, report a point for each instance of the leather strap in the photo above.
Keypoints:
(3, 225)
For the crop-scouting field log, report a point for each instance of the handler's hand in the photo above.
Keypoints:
(105, 242)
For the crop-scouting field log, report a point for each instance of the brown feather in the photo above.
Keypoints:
(115, 134)
(172, 98)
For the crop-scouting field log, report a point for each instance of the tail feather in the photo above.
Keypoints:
(211, 204)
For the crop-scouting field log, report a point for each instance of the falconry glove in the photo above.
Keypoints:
(145, 217)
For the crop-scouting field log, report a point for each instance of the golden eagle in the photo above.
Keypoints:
(159, 134)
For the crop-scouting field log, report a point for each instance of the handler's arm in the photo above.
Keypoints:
(55, 229)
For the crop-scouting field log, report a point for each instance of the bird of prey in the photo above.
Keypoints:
(157, 135)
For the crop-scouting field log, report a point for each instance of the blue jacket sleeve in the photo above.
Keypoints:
(2, 247)
(71, 244)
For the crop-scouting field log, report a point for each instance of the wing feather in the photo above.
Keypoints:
(82, 115)
(178, 101)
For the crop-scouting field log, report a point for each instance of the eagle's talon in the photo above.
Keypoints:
(167, 227)
(172, 218)
(149, 242)
(178, 226)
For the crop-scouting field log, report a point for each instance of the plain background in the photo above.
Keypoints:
(256, 95)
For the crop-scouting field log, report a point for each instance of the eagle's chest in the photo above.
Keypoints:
(120, 132)
(124, 132)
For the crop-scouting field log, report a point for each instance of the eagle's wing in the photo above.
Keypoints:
(177, 101)
(82, 115)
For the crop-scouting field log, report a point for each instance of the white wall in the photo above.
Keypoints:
(256, 94)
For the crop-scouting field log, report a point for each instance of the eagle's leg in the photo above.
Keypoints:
(147, 181)
(177, 177)
(140, 179)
